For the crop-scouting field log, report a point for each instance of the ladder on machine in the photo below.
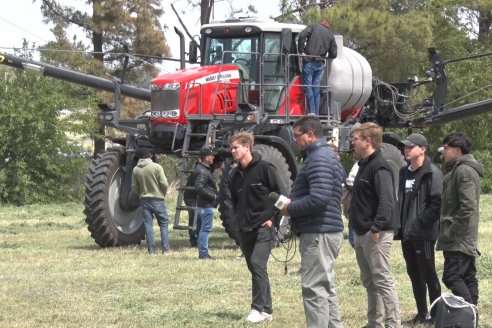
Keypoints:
(186, 169)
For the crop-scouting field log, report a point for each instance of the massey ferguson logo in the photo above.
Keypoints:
(223, 77)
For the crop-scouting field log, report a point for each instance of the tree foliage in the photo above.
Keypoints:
(112, 25)
(39, 161)
(394, 36)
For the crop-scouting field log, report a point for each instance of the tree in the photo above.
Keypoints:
(112, 25)
(39, 162)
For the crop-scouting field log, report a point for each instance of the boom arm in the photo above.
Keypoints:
(73, 76)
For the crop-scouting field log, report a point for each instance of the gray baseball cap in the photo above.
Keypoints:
(415, 139)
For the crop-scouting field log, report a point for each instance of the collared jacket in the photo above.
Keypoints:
(460, 207)
(205, 186)
(250, 189)
(374, 206)
(317, 191)
(149, 180)
(421, 222)
(317, 40)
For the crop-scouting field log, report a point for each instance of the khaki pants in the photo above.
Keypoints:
(318, 254)
(374, 263)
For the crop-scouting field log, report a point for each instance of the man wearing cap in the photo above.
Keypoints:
(458, 231)
(315, 41)
(419, 197)
(207, 199)
(150, 184)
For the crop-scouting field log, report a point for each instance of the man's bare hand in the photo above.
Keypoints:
(267, 224)
(375, 236)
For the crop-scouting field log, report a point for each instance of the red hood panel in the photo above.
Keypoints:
(195, 73)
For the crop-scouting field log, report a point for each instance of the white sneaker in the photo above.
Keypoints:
(266, 316)
(255, 316)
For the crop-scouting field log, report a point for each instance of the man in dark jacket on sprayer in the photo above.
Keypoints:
(316, 42)
(419, 197)
(315, 213)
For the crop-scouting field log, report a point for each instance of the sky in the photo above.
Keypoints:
(22, 19)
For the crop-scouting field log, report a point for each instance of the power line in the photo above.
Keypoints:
(22, 29)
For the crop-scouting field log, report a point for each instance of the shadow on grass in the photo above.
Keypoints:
(228, 315)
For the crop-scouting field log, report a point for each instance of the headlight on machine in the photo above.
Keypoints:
(171, 86)
(166, 86)
(174, 113)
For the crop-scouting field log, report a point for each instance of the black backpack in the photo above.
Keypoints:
(454, 312)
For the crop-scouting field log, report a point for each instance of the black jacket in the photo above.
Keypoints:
(250, 188)
(421, 222)
(374, 206)
(317, 40)
(205, 186)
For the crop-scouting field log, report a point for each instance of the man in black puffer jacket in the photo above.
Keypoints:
(419, 197)
(315, 213)
(207, 199)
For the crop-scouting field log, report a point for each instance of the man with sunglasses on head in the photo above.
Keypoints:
(315, 213)
(419, 197)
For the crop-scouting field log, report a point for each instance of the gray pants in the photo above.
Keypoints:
(374, 263)
(318, 254)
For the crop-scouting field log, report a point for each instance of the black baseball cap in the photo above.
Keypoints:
(415, 139)
(206, 151)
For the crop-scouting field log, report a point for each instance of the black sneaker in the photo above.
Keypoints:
(418, 319)
(208, 257)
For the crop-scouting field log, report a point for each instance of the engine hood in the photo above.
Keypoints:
(201, 75)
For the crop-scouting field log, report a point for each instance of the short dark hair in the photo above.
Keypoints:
(144, 152)
(310, 123)
(458, 140)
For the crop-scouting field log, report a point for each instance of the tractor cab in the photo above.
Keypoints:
(261, 53)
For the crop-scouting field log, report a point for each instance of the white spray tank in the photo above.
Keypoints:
(349, 77)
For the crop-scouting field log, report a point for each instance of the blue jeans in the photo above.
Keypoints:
(351, 236)
(312, 71)
(206, 215)
(151, 207)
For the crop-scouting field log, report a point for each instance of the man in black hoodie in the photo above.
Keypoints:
(251, 183)
(419, 197)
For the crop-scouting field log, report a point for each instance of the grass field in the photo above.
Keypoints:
(52, 274)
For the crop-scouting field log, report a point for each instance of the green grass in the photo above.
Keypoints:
(52, 274)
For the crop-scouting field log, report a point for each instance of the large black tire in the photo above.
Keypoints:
(227, 216)
(395, 161)
(108, 223)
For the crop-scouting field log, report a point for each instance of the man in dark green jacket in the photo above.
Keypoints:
(458, 234)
